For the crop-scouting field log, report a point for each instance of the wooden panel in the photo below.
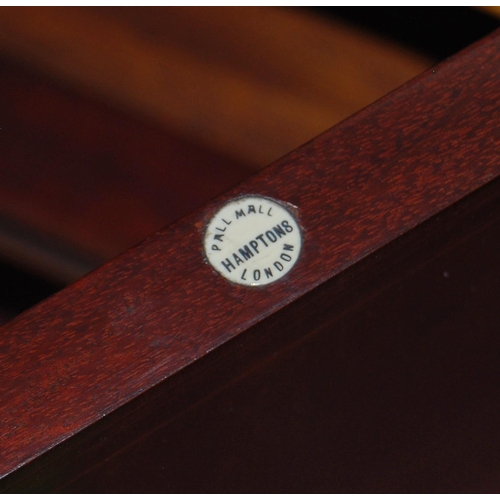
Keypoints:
(381, 380)
(251, 82)
(158, 308)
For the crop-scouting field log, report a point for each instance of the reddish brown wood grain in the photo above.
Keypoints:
(143, 317)
(389, 367)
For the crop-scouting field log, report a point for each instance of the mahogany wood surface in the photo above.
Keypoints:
(382, 380)
(139, 320)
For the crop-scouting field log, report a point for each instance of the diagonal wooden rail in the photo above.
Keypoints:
(155, 318)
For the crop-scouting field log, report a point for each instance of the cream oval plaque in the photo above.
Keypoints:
(253, 241)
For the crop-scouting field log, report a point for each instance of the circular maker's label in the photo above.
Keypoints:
(253, 241)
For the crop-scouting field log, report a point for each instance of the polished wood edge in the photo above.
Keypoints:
(74, 464)
(78, 356)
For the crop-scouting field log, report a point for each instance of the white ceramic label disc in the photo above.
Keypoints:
(253, 241)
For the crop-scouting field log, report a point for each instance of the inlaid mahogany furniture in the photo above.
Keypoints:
(372, 366)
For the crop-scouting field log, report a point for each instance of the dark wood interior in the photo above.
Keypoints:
(372, 368)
